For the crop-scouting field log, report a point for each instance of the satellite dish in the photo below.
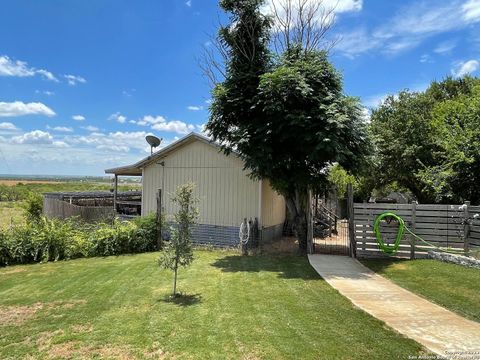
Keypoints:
(153, 141)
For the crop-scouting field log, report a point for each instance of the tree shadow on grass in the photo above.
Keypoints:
(287, 267)
(183, 300)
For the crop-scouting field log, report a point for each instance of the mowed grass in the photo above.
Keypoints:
(452, 286)
(256, 307)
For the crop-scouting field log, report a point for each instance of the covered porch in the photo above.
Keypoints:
(126, 206)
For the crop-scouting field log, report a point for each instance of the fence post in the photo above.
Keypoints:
(159, 219)
(351, 221)
(412, 227)
(466, 226)
(310, 248)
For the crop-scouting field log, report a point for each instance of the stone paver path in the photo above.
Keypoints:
(439, 330)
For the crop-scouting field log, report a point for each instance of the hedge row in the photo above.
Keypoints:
(50, 240)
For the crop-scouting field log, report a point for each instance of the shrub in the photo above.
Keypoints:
(53, 239)
(33, 207)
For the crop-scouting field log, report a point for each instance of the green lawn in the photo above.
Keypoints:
(453, 286)
(257, 307)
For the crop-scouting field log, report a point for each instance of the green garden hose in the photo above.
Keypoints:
(391, 249)
(387, 248)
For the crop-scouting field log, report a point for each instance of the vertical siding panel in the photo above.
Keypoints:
(226, 194)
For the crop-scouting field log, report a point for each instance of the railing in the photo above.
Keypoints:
(321, 211)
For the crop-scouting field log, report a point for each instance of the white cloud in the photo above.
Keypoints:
(464, 68)
(374, 100)
(60, 128)
(45, 92)
(34, 137)
(91, 128)
(114, 141)
(128, 93)
(338, 6)
(445, 47)
(412, 25)
(366, 114)
(118, 118)
(19, 108)
(471, 10)
(115, 148)
(7, 126)
(326, 12)
(195, 108)
(188, 3)
(159, 123)
(78, 117)
(17, 68)
(60, 144)
(73, 79)
(176, 126)
(47, 75)
(425, 58)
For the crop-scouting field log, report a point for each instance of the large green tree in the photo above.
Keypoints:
(288, 119)
(429, 142)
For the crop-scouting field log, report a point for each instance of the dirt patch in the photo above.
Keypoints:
(17, 315)
(44, 340)
(14, 270)
(82, 328)
(155, 352)
(68, 304)
(399, 266)
(247, 354)
(285, 245)
(74, 350)
(68, 350)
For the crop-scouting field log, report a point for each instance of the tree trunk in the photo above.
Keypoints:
(297, 207)
(175, 276)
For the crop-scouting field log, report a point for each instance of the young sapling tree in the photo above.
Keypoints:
(178, 252)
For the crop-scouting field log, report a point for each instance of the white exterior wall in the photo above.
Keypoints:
(273, 206)
(226, 193)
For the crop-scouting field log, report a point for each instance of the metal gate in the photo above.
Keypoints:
(331, 226)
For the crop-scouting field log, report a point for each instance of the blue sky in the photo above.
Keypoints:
(83, 82)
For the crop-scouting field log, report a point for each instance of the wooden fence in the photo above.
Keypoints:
(450, 226)
(54, 208)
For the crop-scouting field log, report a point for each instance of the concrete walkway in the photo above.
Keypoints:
(436, 328)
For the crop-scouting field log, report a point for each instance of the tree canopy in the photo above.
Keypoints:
(429, 142)
(287, 116)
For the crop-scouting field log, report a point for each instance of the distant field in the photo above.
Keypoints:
(15, 182)
(14, 192)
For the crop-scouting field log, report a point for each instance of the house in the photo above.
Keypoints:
(227, 194)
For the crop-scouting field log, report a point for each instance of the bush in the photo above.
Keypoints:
(53, 239)
(33, 207)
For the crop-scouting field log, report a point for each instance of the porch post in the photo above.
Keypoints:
(115, 190)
